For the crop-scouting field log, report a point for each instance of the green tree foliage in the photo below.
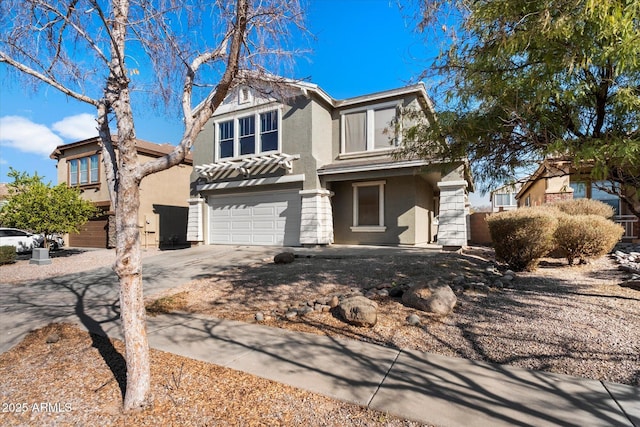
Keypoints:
(42, 208)
(526, 79)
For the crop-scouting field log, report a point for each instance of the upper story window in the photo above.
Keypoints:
(247, 135)
(84, 170)
(369, 128)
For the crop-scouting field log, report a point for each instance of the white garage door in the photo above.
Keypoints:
(256, 219)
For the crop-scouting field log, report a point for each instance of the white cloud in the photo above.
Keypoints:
(78, 127)
(24, 135)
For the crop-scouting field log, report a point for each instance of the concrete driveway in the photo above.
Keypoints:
(91, 297)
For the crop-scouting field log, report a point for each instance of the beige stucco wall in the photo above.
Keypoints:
(95, 193)
(163, 196)
(163, 204)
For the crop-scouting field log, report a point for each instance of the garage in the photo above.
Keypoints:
(93, 234)
(255, 218)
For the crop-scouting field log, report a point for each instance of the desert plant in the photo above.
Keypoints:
(7, 255)
(167, 304)
(523, 236)
(585, 236)
(585, 207)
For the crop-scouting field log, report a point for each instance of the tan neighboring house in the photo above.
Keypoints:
(163, 196)
(314, 170)
(558, 179)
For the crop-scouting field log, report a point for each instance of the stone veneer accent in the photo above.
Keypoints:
(557, 197)
(452, 220)
(194, 221)
(316, 218)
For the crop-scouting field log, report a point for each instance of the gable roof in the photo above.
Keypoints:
(307, 88)
(142, 147)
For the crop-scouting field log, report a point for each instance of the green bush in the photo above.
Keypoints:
(585, 207)
(7, 254)
(585, 236)
(523, 236)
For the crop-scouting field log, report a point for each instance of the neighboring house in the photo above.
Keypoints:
(163, 196)
(313, 170)
(558, 179)
(504, 198)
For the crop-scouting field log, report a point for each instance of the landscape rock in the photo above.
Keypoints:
(53, 338)
(359, 311)
(431, 297)
(284, 258)
(413, 319)
(303, 311)
(334, 301)
(397, 291)
(259, 317)
(291, 314)
(628, 259)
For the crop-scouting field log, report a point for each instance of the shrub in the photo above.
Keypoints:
(523, 236)
(584, 236)
(167, 304)
(585, 207)
(7, 254)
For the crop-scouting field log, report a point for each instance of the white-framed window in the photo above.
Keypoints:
(248, 134)
(84, 170)
(368, 206)
(505, 199)
(369, 128)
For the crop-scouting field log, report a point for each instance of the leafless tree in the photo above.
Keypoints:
(118, 54)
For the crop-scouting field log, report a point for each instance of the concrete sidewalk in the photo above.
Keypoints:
(423, 387)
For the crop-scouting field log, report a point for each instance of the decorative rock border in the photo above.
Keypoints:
(628, 258)
(489, 280)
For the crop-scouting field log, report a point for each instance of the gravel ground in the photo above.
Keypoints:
(64, 261)
(78, 379)
(572, 320)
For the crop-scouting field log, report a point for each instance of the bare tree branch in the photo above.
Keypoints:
(44, 79)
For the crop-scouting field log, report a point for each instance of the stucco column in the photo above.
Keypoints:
(316, 218)
(452, 220)
(195, 224)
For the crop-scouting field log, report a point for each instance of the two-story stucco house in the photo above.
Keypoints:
(313, 170)
(163, 196)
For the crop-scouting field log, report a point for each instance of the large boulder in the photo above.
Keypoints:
(431, 297)
(359, 311)
(284, 258)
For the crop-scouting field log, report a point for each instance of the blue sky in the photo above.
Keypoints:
(360, 46)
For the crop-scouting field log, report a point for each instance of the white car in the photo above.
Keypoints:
(22, 240)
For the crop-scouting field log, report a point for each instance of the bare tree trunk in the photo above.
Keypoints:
(129, 269)
(128, 261)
